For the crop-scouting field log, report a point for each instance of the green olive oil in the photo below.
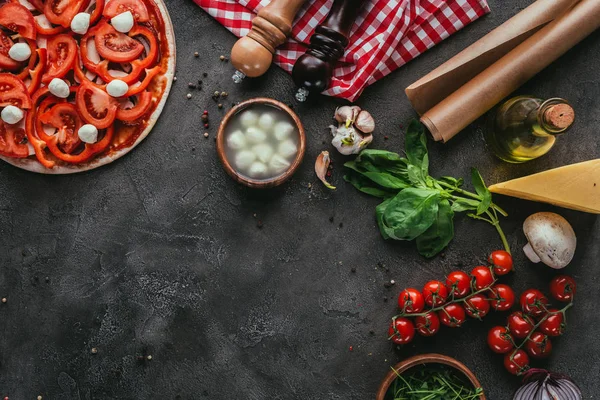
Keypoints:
(525, 128)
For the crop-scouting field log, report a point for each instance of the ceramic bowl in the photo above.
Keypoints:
(260, 183)
(422, 359)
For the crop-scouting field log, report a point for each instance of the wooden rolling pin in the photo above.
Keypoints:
(313, 70)
(252, 55)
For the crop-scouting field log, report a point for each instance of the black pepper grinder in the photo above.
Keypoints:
(313, 70)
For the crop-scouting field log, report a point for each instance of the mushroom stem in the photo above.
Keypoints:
(531, 254)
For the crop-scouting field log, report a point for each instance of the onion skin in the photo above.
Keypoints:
(539, 384)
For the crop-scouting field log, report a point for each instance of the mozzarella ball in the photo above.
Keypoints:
(257, 170)
(244, 159)
(278, 165)
(59, 88)
(122, 22)
(117, 88)
(255, 135)
(11, 114)
(266, 121)
(263, 152)
(287, 148)
(248, 118)
(236, 140)
(282, 130)
(19, 52)
(88, 133)
(80, 23)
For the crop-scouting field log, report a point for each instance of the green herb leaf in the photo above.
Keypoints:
(367, 186)
(416, 146)
(410, 213)
(482, 190)
(462, 204)
(382, 179)
(452, 181)
(439, 235)
(381, 161)
(379, 213)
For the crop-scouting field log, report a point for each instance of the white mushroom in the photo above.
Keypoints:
(551, 239)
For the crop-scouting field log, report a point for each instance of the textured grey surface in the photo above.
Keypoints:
(159, 253)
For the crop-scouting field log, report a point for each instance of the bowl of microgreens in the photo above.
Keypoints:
(430, 377)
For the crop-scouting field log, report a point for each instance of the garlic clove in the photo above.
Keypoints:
(346, 114)
(321, 168)
(365, 122)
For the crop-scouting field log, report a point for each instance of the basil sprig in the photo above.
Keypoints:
(417, 206)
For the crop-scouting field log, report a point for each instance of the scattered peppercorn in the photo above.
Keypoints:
(193, 149)
(39, 398)
(220, 105)
(205, 74)
(149, 357)
(200, 82)
(192, 85)
(351, 348)
(259, 224)
(189, 95)
(196, 54)
(174, 79)
(385, 138)
(4, 300)
(372, 332)
(224, 94)
(353, 270)
(222, 58)
(331, 219)
(385, 299)
(388, 285)
(341, 225)
(206, 126)
(205, 112)
(205, 134)
(204, 117)
(94, 350)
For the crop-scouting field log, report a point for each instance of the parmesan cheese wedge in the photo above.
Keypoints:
(575, 186)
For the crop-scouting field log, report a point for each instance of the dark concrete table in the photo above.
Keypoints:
(159, 254)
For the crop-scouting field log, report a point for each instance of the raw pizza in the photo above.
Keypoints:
(82, 81)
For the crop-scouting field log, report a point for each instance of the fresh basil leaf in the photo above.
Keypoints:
(379, 212)
(410, 213)
(367, 186)
(482, 190)
(452, 181)
(415, 175)
(416, 146)
(383, 179)
(381, 161)
(462, 204)
(439, 235)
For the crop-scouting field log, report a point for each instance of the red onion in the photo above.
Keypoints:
(539, 384)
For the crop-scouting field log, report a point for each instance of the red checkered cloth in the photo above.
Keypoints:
(386, 35)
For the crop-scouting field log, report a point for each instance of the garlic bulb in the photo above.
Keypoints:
(353, 132)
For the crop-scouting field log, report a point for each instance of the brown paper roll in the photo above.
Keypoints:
(450, 76)
(488, 88)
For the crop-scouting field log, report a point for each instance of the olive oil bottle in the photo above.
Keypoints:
(525, 127)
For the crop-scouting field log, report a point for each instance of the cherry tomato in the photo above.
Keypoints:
(435, 293)
(459, 284)
(411, 301)
(500, 340)
(538, 345)
(143, 103)
(501, 261)
(554, 324)
(482, 277)
(95, 106)
(452, 315)
(477, 306)
(533, 302)
(137, 8)
(13, 92)
(5, 61)
(17, 18)
(563, 288)
(66, 120)
(520, 325)
(62, 50)
(401, 331)
(502, 296)
(116, 46)
(516, 362)
(61, 12)
(428, 325)
(12, 141)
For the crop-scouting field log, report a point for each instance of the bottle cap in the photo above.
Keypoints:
(559, 116)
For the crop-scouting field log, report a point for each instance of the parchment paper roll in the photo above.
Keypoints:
(488, 88)
(450, 76)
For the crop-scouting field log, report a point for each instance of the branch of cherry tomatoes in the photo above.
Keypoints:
(448, 303)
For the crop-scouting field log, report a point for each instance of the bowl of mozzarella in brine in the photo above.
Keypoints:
(261, 143)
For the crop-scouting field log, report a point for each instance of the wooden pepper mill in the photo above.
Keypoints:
(313, 70)
(252, 55)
